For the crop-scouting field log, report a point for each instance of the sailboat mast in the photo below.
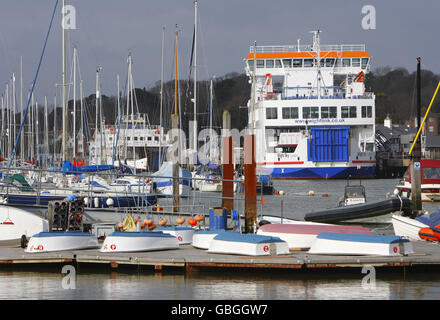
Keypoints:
(74, 102)
(13, 110)
(195, 80)
(175, 126)
(54, 128)
(161, 99)
(46, 131)
(210, 122)
(63, 102)
(21, 110)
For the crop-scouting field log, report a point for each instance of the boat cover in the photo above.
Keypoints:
(432, 219)
(371, 238)
(246, 237)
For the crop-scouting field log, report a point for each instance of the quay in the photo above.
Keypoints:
(190, 259)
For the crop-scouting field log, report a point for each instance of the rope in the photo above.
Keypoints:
(32, 89)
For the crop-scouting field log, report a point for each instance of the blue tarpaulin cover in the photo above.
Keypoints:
(432, 219)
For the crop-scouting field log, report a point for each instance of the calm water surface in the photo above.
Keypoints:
(212, 286)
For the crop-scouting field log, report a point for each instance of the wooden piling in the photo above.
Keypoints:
(250, 184)
(227, 165)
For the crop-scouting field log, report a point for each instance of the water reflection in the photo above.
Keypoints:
(47, 285)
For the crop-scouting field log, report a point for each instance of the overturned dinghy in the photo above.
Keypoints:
(183, 234)
(360, 244)
(247, 244)
(300, 236)
(60, 241)
(139, 241)
(202, 239)
(361, 211)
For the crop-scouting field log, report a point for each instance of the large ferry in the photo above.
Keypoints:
(313, 118)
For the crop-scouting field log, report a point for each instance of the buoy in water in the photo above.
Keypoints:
(325, 195)
(281, 192)
(311, 193)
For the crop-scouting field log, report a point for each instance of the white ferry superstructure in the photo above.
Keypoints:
(312, 115)
(136, 143)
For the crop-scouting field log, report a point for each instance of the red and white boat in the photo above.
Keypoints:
(430, 181)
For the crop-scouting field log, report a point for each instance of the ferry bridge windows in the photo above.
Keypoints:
(308, 63)
(297, 63)
(367, 111)
(338, 62)
(329, 62)
(356, 62)
(271, 113)
(346, 62)
(329, 112)
(278, 63)
(260, 63)
(310, 112)
(364, 63)
(287, 63)
(269, 63)
(290, 113)
(348, 112)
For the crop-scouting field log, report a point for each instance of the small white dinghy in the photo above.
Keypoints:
(59, 241)
(183, 234)
(360, 244)
(247, 244)
(16, 224)
(302, 236)
(407, 227)
(139, 241)
(202, 239)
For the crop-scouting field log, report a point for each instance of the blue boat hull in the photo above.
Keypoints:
(323, 172)
(43, 200)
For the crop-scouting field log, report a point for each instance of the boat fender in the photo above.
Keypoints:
(96, 202)
(427, 234)
(109, 202)
(180, 220)
(163, 222)
(192, 222)
(23, 241)
(263, 222)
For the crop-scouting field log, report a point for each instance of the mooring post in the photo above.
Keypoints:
(250, 184)
(227, 165)
(416, 192)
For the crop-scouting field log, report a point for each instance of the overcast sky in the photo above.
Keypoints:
(107, 30)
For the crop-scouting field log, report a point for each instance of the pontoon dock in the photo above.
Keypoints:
(188, 258)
